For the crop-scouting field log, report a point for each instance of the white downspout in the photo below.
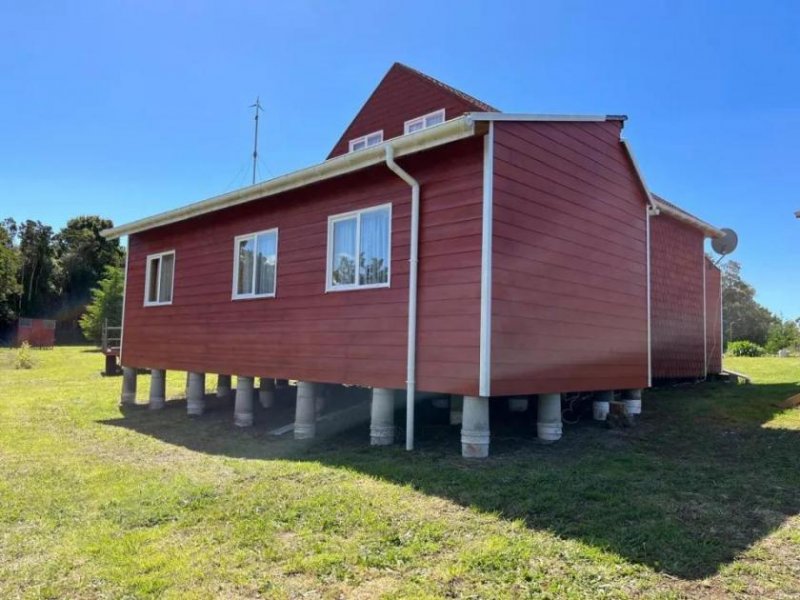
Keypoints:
(413, 260)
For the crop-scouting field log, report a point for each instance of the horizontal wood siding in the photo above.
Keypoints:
(569, 271)
(713, 317)
(356, 337)
(400, 96)
(677, 263)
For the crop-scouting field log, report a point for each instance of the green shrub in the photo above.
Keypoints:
(24, 358)
(745, 348)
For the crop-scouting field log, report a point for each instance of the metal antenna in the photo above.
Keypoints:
(257, 106)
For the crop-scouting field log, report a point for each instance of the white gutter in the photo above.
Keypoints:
(449, 131)
(498, 116)
(708, 229)
(413, 260)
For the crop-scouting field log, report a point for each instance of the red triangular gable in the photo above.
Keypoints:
(403, 94)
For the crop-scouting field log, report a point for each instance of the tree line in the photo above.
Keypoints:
(745, 319)
(51, 274)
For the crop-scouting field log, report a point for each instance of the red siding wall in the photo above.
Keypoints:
(356, 337)
(677, 263)
(569, 277)
(403, 94)
(713, 317)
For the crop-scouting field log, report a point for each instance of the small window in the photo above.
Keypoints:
(159, 278)
(255, 262)
(25, 323)
(48, 324)
(359, 249)
(365, 141)
(425, 121)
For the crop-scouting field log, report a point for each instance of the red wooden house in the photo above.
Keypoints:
(443, 247)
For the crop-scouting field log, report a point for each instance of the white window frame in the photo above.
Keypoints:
(407, 125)
(333, 219)
(364, 139)
(252, 295)
(148, 273)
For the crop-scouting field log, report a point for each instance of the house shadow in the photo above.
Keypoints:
(696, 482)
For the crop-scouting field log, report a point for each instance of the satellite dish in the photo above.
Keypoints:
(727, 243)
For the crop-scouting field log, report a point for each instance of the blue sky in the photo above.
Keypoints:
(128, 108)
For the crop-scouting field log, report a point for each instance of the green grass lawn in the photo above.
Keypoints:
(700, 499)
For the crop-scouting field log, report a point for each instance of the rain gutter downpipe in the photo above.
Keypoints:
(411, 359)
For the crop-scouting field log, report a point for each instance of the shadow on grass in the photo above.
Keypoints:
(697, 482)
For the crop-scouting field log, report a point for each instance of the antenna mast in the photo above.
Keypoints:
(258, 108)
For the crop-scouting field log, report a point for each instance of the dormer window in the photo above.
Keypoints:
(425, 121)
(365, 141)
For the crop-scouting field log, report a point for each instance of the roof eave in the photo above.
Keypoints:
(445, 133)
(680, 215)
(499, 116)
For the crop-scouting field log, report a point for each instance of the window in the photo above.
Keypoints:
(425, 121)
(366, 234)
(48, 324)
(365, 141)
(159, 278)
(25, 323)
(254, 263)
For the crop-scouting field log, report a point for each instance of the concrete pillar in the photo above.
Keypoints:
(456, 409)
(305, 416)
(223, 386)
(548, 421)
(158, 389)
(243, 409)
(266, 392)
(475, 427)
(128, 386)
(195, 393)
(632, 399)
(602, 404)
(381, 426)
(517, 405)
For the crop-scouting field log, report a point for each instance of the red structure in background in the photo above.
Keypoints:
(40, 333)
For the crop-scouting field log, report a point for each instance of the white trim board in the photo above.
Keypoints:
(485, 360)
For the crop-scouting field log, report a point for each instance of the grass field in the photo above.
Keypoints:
(701, 499)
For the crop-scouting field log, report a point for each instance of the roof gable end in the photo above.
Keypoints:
(403, 94)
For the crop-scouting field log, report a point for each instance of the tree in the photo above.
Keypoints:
(83, 255)
(10, 287)
(38, 270)
(743, 318)
(783, 334)
(106, 304)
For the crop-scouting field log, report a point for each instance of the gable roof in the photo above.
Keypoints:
(402, 94)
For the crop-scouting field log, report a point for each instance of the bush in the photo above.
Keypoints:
(24, 359)
(782, 334)
(745, 348)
